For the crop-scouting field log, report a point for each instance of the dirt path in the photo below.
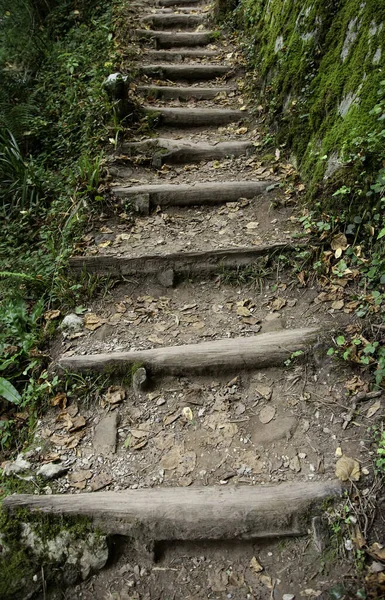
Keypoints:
(220, 426)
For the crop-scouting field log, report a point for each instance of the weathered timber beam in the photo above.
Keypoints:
(187, 194)
(181, 262)
(195, 513)
(267, 349)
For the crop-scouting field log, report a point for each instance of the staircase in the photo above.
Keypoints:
(197, 453)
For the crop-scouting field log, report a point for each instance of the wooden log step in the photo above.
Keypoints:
(225, 355)
(178, 2)
(182, 93)
(194, 513)
(195, 117)
(166, 40)
(167, 194)
(185, 72)
(167, 21)
(204, 261)
(179, 151)
(175, 55)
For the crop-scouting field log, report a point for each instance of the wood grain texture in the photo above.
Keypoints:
(184, 151)
(242, 353)
(207, 513)
(185, 72)
(188, 195)
(166, 39)
(181, 262)
(165, 21)
(179, 55)
(195, 117)
(183, 93)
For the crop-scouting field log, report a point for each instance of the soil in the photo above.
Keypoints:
(245, 429)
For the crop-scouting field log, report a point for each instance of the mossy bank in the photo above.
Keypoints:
(318, 67)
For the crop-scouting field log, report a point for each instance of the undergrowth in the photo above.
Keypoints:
(55, 120)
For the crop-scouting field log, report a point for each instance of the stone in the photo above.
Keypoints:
(17, 466)
(139, 380)
(288, 597)
(105, 434)
(166, 278)
(280, 428)
(140, 203)
(272, 322)
(52, 470)
(72, 323)
(320, 533)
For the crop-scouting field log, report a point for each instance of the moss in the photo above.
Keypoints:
(18, 564)
(310, 60)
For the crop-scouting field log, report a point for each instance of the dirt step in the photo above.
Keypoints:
(185, 72)
(182, 93)
(243, 353)
(205, 261)
(187, 194)
(168, 21)
(175, 55)
(181, 151)
(196, 513)
(174, 40)
(195, 117)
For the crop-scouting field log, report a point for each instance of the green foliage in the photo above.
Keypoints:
(378, 435)
(54, 120)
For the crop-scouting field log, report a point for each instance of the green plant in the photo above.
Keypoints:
(295, 355)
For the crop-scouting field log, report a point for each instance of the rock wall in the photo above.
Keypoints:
(318, 65)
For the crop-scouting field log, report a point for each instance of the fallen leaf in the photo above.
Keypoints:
(241, 131)
(278, 303)
(187, 413)
(77, 423)
(255, 565)
(347, 469)
(60, 400)
(339, 243)
(105, 244)
(139, 433)
(79, 476)
(115, 394)
(373, 409)
(100, 481)
(171, 418)
(252, 225)
(267, 414)
(338, 304)
(265, 391)
(267, 581)
(92, 321)
(243, 311)
(52, 314)
(378, 550)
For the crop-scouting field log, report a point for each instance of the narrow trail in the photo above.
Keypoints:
(217, 459)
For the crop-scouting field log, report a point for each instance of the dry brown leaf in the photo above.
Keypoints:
(115, 394)
(339, 243)
(264, 390)
(171, 418)
(100, 481)
(79, 476)
(267, 414)
(255, 565)
(60, 400)
(378, 550)
(77, 423)
(92, 321)
(348, 469)
(338, 304)
(373, 409)
(52, 314)
(139, 433)
(252, 225)
(278, 303)
(243, 311)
